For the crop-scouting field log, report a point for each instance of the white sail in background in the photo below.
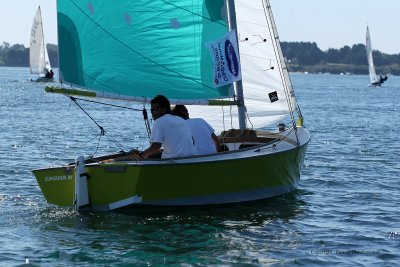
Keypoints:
(46, 57)
(38, 57)
(371, 68)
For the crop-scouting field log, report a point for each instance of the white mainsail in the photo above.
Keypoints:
(264, 72)
(38, 57)
(371, 68)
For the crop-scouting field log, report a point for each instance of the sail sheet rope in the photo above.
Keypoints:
(144, 112)
(102, 130)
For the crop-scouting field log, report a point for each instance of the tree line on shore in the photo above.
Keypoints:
(306, 56)
(300, 57)
(17, 55)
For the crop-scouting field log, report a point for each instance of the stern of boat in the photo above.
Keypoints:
(57, 185)
(101, 186)
(262, 166)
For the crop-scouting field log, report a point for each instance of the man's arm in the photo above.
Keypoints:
(216, 141)
(153, 149)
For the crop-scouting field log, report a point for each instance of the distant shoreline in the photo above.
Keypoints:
(303, 57)
(290, 72)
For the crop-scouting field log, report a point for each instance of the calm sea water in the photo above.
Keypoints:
(345, 211)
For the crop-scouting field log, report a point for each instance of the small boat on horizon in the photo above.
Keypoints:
(39, 61)
(374, 81)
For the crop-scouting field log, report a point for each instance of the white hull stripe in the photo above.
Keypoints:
(118, 204)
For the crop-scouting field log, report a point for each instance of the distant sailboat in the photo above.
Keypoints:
(38, 57)
(374, 81)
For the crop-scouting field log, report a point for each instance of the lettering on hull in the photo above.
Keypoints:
(57, 178)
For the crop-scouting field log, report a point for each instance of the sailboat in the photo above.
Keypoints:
(220, 58)
(374, 81)
(38, 57)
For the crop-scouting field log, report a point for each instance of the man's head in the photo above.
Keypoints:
(160, 106)
(181, 111)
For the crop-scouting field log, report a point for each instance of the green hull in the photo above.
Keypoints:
(248, 174)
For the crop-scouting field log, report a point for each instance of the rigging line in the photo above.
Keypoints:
(102, 130)
(138, 53)
(248, 118)
(280, 140)
(258, 57)
(97, 81)
(98, 145)
(146, 121)
(144, 111)
(87, 142)
(100, 127)
(107, 104)
(287, 83)
(289, 92)
(223, 118)
(56, 162)
(193, 13)
(115, 141)
(230, 111)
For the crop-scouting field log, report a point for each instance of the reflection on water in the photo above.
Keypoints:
(160, 233)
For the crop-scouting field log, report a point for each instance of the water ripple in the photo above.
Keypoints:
(345, 211)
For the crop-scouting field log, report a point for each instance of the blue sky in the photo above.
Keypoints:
(329, 23)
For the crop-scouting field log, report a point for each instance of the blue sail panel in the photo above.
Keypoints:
(139, 47)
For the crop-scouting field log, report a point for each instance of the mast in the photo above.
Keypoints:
(231, 15)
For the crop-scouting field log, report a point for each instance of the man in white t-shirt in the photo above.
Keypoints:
(205, 140)
(170, 132)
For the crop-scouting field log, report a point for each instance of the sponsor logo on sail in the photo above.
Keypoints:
(231, 58)
(224, 54)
